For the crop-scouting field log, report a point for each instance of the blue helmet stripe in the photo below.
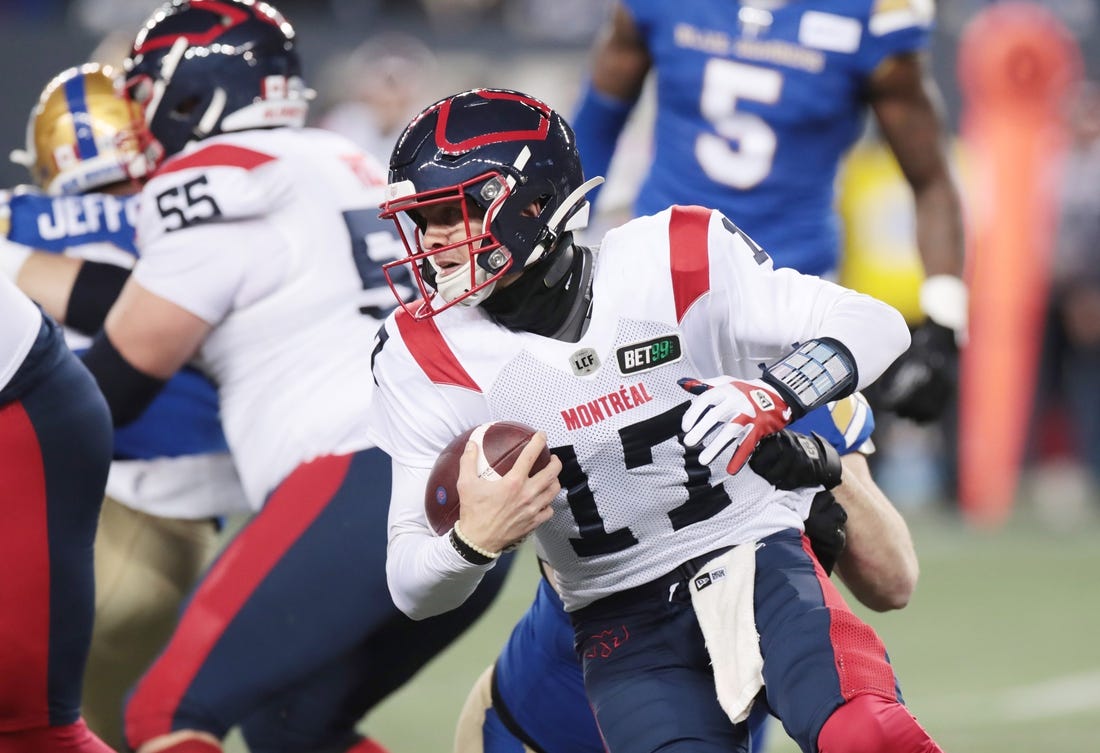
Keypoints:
(82, 121)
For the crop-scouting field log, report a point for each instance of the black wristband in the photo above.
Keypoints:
(95, 289)
(467, 552)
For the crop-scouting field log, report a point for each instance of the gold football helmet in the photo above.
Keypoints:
(85, 133)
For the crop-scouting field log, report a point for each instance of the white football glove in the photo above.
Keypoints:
(739, 413)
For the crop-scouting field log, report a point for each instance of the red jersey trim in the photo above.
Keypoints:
(218, 155)
(246, 564)
(25, 549)
(862, 666)
(688, 256)
(431, 352)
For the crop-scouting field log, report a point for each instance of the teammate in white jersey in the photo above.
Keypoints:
(70, 246)
(259, 242)
(657, 532)
(55, 448)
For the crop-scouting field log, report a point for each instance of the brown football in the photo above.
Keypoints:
(499, 444)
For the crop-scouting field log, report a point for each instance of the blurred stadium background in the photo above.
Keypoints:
(998, 650)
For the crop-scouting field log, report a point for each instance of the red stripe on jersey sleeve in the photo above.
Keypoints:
(432, 354)
(218, 155)
(689, 257)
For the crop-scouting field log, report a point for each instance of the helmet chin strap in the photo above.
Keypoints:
(577, 221)
(210, 118)
(455, 283)
(168, 65)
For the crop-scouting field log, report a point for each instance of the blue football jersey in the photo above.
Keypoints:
(183, 419)
(756, 106)
(57, 223)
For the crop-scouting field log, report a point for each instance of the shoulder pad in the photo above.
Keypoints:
(846, 424)
(215, 183)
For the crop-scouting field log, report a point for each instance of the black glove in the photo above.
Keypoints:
(825, 529)
(921, 382)
(789, 460)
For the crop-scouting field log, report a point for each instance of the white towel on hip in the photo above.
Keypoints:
(721, 594)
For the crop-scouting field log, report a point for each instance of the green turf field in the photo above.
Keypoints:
(998, 652)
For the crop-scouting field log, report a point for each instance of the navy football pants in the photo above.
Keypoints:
(647, 670)
(55, 451)
(292, 631)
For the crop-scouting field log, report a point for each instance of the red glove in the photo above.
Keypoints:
(731, 413)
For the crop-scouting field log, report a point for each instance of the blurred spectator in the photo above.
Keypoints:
(384, 80)
(31, 10)
(1072, 362)
(560, 21)
(105, 16)
(462, 16)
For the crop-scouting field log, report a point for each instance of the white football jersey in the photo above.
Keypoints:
(273, 237)
(679, 294)
(22, 320)
(99, 227)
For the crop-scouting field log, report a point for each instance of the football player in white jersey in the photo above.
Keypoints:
(827, 447)
(656, 530)
(70, 246)
(55, 449)
(259, 243)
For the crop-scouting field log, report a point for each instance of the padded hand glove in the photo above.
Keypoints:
(920, 384)
(731, 413)
(790, 460)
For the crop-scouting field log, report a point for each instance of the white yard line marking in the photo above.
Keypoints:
(1049, 699)
(1058, 696)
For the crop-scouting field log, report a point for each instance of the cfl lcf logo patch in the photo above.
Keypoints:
(584, 361)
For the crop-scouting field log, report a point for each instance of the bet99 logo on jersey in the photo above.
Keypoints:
(649, 354)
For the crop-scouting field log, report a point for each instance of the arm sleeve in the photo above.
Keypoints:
(127, 390)
(426, 576)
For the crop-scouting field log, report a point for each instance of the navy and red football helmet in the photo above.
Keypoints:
(203, 67)
(497, 152)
